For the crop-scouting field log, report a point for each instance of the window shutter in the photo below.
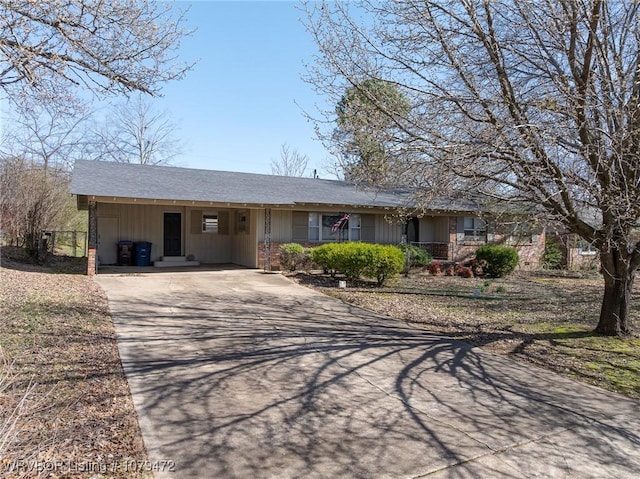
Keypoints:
(223, 222)
(460, 229)
(368, 228)
(196, 222)
(300, 226)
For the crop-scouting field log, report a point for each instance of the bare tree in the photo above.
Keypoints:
(47, 137)
(531, 103)
(49, 48)
(290, 163)
(32, 200)
(135, 132)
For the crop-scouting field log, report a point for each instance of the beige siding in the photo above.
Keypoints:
(138, 223)
(434, 229)
(387, 233)
(427, 230)
(146, 223)
(206, 247)
(281, 226)
(244, 249)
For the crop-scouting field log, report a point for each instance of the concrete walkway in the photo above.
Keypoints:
(241, 374)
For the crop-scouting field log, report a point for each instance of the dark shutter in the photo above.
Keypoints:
(196, 222)
(300, 226)
(368, 228)
(223, 222)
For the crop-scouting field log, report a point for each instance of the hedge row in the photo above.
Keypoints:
(380, 262)
(354, 260)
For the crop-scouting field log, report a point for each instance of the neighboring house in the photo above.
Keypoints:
(242, 218)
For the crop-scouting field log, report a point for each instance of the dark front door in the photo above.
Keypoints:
(413, 230)
(172, 234)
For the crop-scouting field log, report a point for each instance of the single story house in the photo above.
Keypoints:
(191, 215)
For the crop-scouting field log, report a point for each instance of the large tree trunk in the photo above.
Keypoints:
(618, 285)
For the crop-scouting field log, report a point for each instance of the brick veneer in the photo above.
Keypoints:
(275, 253)
(91, 261)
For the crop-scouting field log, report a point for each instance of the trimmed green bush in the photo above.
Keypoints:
(325, 256)
(415, 256)
(385, 262)
(291, 256)
(354, 260)
(497, 261)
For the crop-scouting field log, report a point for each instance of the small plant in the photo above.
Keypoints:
(498, 261)
(415, 256)
(501, 289)
(385, 261)
(552, 256)
(291, 255)
(435, 268)
(465, 272)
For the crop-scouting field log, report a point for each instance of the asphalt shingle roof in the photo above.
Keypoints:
(124, 180)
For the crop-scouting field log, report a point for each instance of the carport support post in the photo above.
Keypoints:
(267, 239)
(92, 239)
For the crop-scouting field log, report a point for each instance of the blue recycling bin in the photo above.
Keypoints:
(142, 253)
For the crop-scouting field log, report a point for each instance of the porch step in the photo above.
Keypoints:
(174, 261)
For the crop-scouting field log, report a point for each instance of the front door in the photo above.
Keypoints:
(172, 234)
(108, 240)
(413, 230)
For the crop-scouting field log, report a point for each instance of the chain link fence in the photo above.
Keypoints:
(66, 243)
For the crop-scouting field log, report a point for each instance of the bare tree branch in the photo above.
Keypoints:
(530, 102)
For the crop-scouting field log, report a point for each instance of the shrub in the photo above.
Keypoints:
(450, 270)
(353, 259)
(385, 262)
(435, 268)
(325, 256)
(465, 272)
(291, 256)
(552, 256)
(374, 261)
(498, 261)
(415, 256)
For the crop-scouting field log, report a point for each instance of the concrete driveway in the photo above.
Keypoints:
(239, 374)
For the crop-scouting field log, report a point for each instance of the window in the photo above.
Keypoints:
(334, 227)
(209, 223)
(521, 233)
(475, 229)
(585, 248)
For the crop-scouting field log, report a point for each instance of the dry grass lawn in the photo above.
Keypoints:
(65, 405)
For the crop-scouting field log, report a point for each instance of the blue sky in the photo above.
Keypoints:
(245, 96)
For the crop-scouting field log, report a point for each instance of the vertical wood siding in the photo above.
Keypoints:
(387, 233)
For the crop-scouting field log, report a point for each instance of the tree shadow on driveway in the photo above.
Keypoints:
(289, 383)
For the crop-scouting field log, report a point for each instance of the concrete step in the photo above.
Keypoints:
(174, 261)
(173, 258)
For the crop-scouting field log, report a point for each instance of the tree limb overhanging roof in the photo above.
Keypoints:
(163, 183)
